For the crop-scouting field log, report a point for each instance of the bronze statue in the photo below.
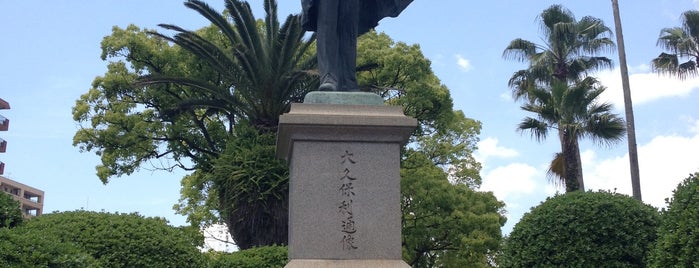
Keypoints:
(337, 24)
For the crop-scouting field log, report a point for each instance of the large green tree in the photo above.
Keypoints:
(570, 52)
(574, 112)
(181, 104)
(682, 46)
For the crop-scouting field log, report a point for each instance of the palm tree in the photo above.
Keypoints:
(260, 69)
(628, 106)
(264, 69)
(574, 111)
(570, 53)
(682, 43)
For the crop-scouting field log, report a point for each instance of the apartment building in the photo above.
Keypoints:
(30, 198)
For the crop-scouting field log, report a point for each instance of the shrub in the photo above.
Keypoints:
(123, 240)
(583, 229)
(269, 256)
(10, 211)
(22, 247)
(678, 234)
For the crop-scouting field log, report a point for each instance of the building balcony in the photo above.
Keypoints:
(3, 145)
(4, 123)
(4, 105)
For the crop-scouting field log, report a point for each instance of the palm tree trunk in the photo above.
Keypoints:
(578, 161)
(628, 107)
(571, 154)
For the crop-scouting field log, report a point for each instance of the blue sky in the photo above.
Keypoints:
(50, 55)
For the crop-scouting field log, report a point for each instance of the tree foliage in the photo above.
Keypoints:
(403, 76)
(445, 224)
(122, 240)
(681, 44)
(583, 229)
(10, 211)
(167, 106)
(180, 102)
(678, 234)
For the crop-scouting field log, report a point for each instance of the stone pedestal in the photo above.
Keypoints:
(344, 189)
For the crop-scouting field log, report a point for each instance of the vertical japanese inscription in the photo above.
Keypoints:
(346, 191)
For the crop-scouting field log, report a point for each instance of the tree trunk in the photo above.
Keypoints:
(628, 106)
(578, 161)
(571, 154)
(259, 223)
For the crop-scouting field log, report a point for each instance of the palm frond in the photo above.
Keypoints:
(553, 15)
(215, 18)
(201, 47)
(669, 64)
(556, 172)
(537, 129)
(520, 50)
(605, 128)
(271, 22)
(681, 43)
(690, 23)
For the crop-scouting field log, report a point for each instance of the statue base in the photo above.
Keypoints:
(344, 185)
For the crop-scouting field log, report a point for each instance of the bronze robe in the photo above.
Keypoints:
(370, 13)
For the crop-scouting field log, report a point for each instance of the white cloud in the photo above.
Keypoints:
(645, 86)
(506, 96)
(510, 180)
(694, 128)
(489, 148)
(463, 63)
(587, 157)
(664, 162)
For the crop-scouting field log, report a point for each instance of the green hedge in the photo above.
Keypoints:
(23, 247)
(678, 235)
(583, 229)
(123, 240)
(268, 257)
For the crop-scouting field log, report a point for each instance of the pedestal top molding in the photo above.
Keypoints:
(331, 122)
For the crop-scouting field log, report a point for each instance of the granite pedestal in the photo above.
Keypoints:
(344, 189)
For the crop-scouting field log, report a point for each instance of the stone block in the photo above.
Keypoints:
(344, 199)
